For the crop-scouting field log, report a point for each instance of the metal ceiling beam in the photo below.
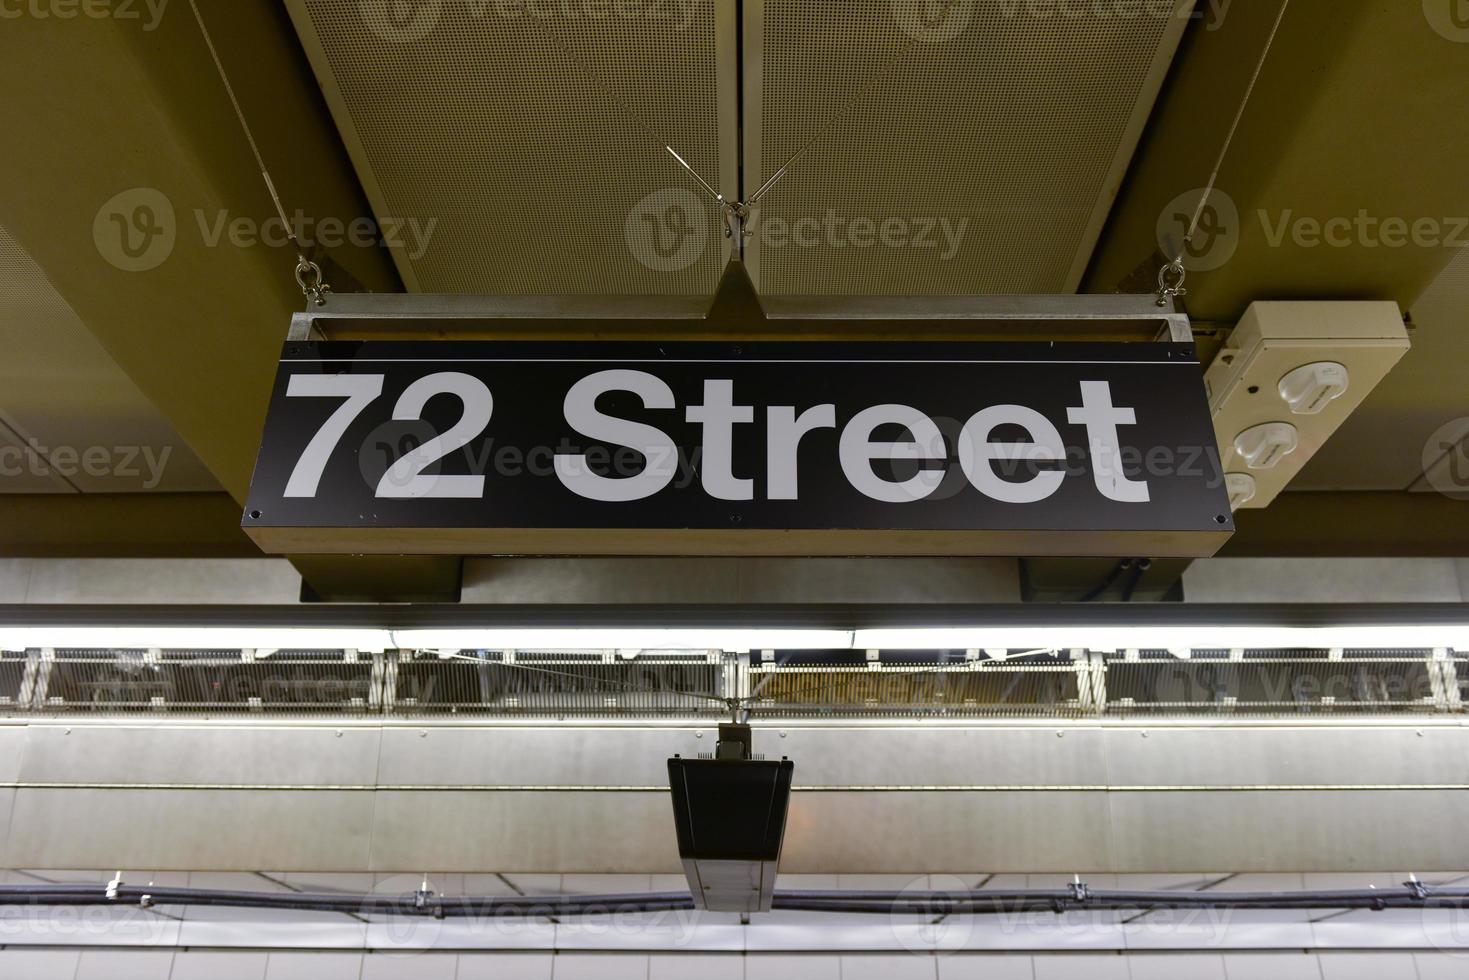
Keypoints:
(200, 332)
(122, 525)
(1352, 114)
(125, 108)
(736, 312)
(1342, 524)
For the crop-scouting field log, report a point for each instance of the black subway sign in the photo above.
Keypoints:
(778, 448)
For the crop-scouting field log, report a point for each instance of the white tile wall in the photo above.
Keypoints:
(1448, 965)
(1272, 966)
(39, 964)
(124, 965)
(986, 968)
(1367, 966)
(401, 966)
(697, 966)
(1177, 966)
(1081, 967)
(901, 966)
(62, 964)
(600, 966)
(314, 966)
(794, 967)
(506, 966)
(219, 966)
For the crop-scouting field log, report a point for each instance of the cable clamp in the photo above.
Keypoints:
(1171, 279)
(313, 284)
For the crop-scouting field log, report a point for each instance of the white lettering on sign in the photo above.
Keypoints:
(982, 457)
(661, 451)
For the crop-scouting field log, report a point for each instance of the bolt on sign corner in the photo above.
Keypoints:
(768, 448)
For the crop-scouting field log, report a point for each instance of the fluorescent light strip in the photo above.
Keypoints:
(193, 638)
(1105, 638)
(1451, 635)
(737, 640)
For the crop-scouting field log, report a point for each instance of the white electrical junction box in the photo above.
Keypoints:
(1287, 378)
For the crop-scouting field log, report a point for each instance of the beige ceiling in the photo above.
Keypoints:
(531, 143)
(1003, 130)
(531, 140)
(1382, 445)
(62, 397)
(981, 158)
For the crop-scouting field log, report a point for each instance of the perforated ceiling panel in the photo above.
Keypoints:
(967, 146)
(526, 137)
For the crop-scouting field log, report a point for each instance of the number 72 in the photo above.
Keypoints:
(405, 478)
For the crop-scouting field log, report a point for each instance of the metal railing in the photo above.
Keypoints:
(967, 689)
(1275, 682)
(555, 684)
